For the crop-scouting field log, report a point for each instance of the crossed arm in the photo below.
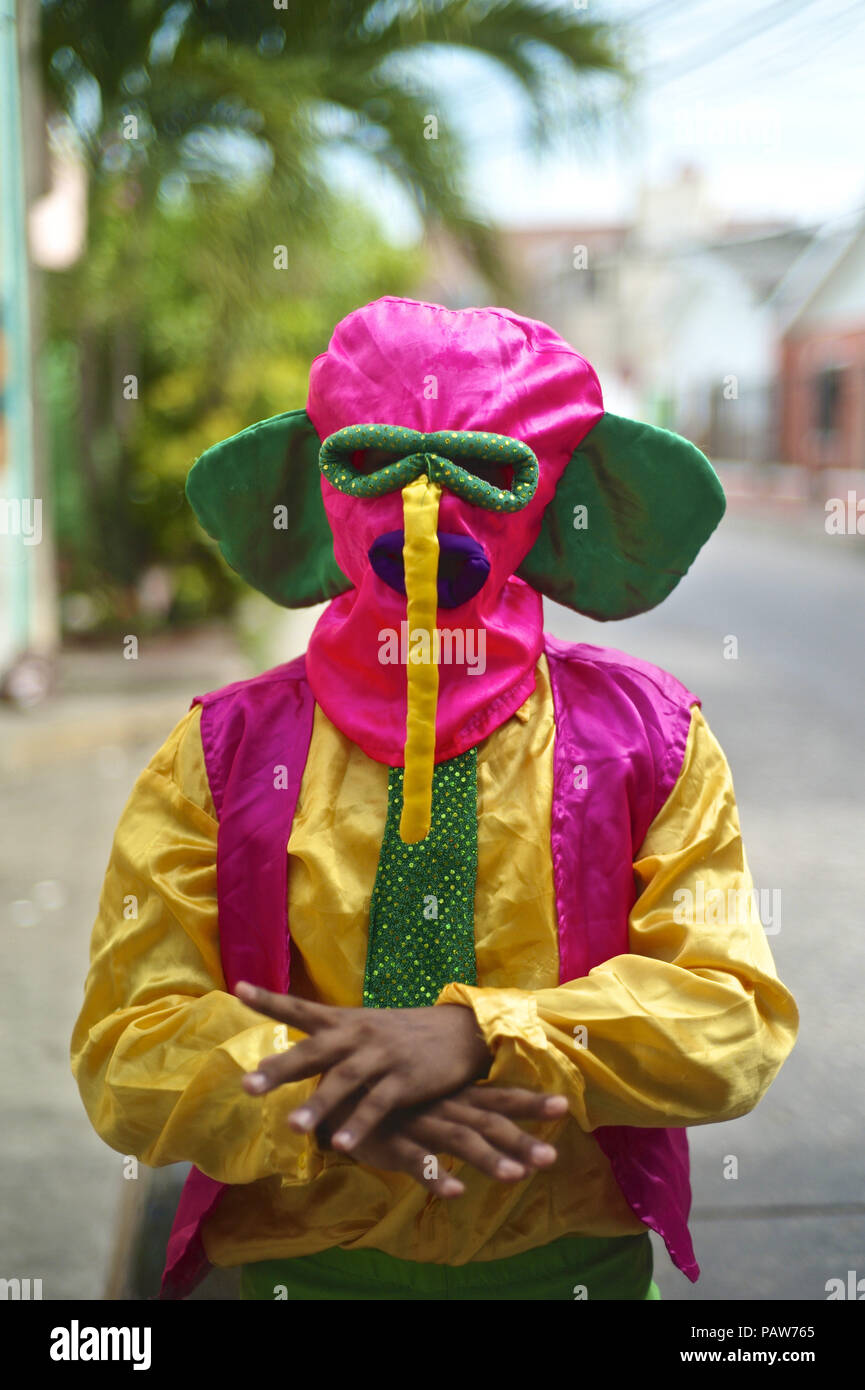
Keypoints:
(399, 1085)
(689, 1027)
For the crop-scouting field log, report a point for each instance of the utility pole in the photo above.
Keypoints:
(28, 605)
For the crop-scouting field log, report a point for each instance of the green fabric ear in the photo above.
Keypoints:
(650, 498)
(235, 489)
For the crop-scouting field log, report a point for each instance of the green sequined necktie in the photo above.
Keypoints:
(421, 919)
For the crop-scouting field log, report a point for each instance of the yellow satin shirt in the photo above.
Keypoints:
(689, 1027)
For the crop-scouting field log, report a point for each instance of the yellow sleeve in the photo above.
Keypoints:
(159, 1048)
(692, 1025)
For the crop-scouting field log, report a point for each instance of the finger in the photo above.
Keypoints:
(304, 1059)
(287, 1008)
(501, 1133)
(368, 1115)
(516, 1102)
(446, 1136)
(410, 1157)
(344, 1080)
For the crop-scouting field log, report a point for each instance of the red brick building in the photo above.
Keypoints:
(822, 368)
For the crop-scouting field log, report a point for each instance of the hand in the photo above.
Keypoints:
(397, 1057)
(476, 1124)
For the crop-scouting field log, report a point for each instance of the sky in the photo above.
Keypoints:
(767, 98)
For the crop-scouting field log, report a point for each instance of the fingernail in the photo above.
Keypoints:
(256, 1080)
(556, 1103)
(343, 1139)
(301, 1118)
(506, 1168)
(543, 1153)
(451, 1188)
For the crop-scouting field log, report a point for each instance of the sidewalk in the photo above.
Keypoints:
(790, 495)
(103, 701)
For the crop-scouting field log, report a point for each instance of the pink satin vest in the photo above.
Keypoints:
(623, 720)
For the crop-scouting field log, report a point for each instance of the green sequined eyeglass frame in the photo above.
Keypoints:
(437, 456)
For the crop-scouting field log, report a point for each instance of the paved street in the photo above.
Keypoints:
(788, 712)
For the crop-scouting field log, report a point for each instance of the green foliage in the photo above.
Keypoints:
(210, 351)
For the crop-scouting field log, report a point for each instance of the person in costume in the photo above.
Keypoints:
(426, 947)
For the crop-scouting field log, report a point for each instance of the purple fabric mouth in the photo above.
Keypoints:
(463, 565)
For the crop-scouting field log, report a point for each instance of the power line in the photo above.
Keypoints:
(835, 27)
(759, 79)
(661, 10)
(730, 39)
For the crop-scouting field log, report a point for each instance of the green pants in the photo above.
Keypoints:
(573, 1267)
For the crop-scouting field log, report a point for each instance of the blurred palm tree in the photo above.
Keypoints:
(283, 83)
(209, 128)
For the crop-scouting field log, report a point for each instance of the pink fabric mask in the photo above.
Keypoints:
(428, 368)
